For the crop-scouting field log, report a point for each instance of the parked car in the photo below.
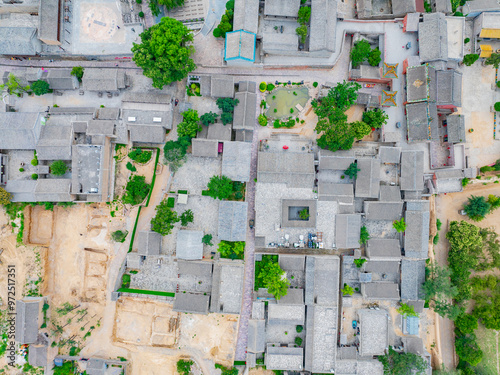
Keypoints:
(251, 223)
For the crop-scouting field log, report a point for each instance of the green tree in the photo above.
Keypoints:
(5, 196)
(466, 323)
(220, 187)
(190, 125)
(304, 15)
(164, 54)
(359, 262)
(164, 220)
(468, 349)
(360, 52)
(187, 217)
(40, 87)
(184, 367)
(207, 240)
(448, 310)
(131, 167)
(208, 118)
(304, 214)
(77, 71)
(360, 129)
(298, 341)
(136, 190)
(341, 97)
(13, 85)
(171, 4)
(438, 284)
(407, 310)
(477, 208)
(227, 104)
(470, 59)
(58, 168)
(67, 368)
(494, 60)
(175, 152)
(232, 250)
(374, 57)
(226, 118)
(335, 136)
(364, 236)
(301, 31)
(402, 363)
(119, 235)
(140, 156)
(262, 120)
(400, 225)
(375, 118)
(494, 201)
(347, 290)
(273, 278)
(352, 170)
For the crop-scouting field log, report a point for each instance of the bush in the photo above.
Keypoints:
(208, 118)
(435, 240)
(407, 310)
(466, 40)
(364, 236)
(184, 367)
(21, 169)
(263, 86)
(438, 224)
(304, 214)
(477, 208)
(262, 120)
(207, 240)
(136, 190)
(352, 170)
(77, 71)
(374, 57)
(466, 323)
(315, 84)
(270, 87)
(119, 235)
(164, 220)
(301, 31)
(497, 106)
(141, 14)
(359, 262)
(238, 195)
(299, 328)
(470, 59)
(186, 217)
(171, 202)
(217, 33)
(34, 176)
(125, 280)
(232, 250)
(140, 156)
(298, 341)
(347, 290)
(220, 187)
(131, 167)
(400, 225)
(58, 168)
(465, 181)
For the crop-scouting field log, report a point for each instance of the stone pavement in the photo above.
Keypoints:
(248, 285)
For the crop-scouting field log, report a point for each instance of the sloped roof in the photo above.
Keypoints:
(322, 25)
(19, 41)
(283, 8)
(48, 20)
(96, 366)
(205, 147)
(401, 7)
(222, 86)
(232, 221)
(21, 190)
(368, 178)
(333, 191)
(412, 170)
(286, 314)
(331, 162)
(455, 128)
(20, 130)
(390, 193)
(256, 336)
(416, 237)
(245, 112)
(347, 231)
(37, 355)
(294, 169)
(55, 143)
(420, 83)
(61, 79)
(284, 358)
(99, 79)
(412, 278)
(148, 243)
(227, 287)
(27, 312)
(390, 154)
(191, 303)
(236, 159)
(383, 248)
(449, 87)
(246, 15)
(53, 190)
(389, 211)
(240, 45)
(373, 332)
(142, 133)
(322, 274)
(433, 37)
(189, 245)
(100, 127)
(380, 290)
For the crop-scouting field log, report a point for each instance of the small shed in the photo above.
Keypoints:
(189, 245)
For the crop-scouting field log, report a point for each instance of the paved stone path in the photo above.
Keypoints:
(246, 308)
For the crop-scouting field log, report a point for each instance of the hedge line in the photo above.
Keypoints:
(141, 291)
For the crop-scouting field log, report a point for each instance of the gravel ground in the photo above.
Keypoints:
(195, 174)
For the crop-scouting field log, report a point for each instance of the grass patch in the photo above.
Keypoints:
(133, 231)
(487, 340)
(182, 191)
(150, 292)
(154, 176)
(171, 202)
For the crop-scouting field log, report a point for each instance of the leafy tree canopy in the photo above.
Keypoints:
(175, 152)
(171, 4)
(227, 104)
(360, 52)
(494, 60)
(119, 235)
(187, 217)
(364, 236)
(40, 87)
(375, 118)
(164, 54)
(470, 59)
(164, 220)
(304, 15)
(407, 310)
(232, 250)
(273, 278)
(374, 57)
(58, 168)
(220, 187)
(77, 71)
(226, 118)
(399, 225)
(438, 284)
(208, 118)
(136, 190)
(402, 363)
(466, 323)
(347, 290)
(207, 240)
(477, 208)
(360, 129)
(468, 349)
(190, 126)
(5, 196)
(352, 171)
(184, 367)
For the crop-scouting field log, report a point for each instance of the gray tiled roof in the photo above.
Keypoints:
(205, 147)
(390, 154)
(390, 193)
(48, 21)
(284, 8)
(412, 278)
(433, 37)
(412, 170)
(55, 143)
(401, 7)
(149, 97)
(245, 112)
(290, 262)
(191, 303)
(189, 245)
(100, 127)
(449, 87)
(322, 25)
(347, 231)
(447, 174)
(381, 290)
(236, 159)
(246, 15)
(383, 248)
(286, 314)
(61, 79)
(219, 132)
(107, 113)
(27, 311)
(443, 6)
(227, 286)
(368, 178)
(19, 41)
(412, 21)
(293, 169)
(37, 355)
(222, 86)
(293, 297)
(200, 269)
(321, 340)
(373, 332)
(333, 191)
(328, 161)
(477, 6)
(96, 366)
(418, 83)
(232, 221)
(143, 133)
(21, 190)
(148, 243)
(256, 336)
(53, 190)
(20, 130)
(389, 211)
(99, 79)
(417, 234)
(455, 128)
(322, 275)
(284, 358)
(422, 122)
